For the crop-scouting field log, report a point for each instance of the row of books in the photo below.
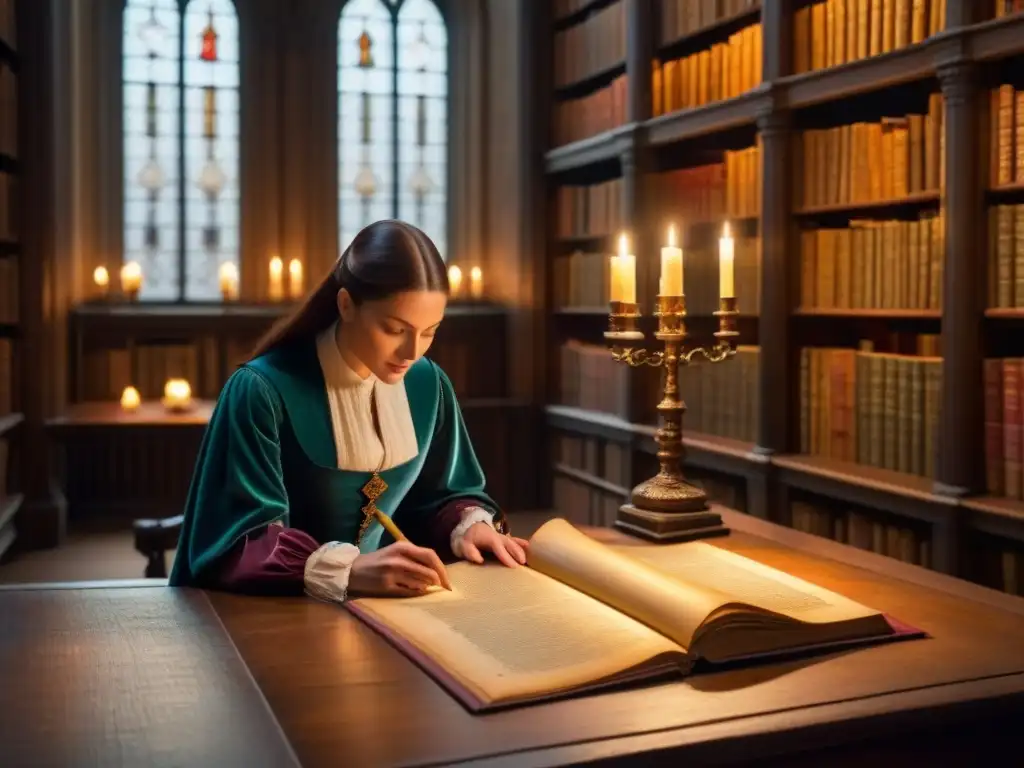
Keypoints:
(581, 280)
(723, 399)
(723, 71)
(864, 530)
(1004, 427)
(8, 203)
(8, 402)
(876, 409)
(1007, 136)
(595, 113)
(873, 265)
(1007, 7)
(7, 23)
(873, 162)
(10, 312)
(680, 18)
(588, 211)
(835, 32)
(596, 457)
(590, 379)
(1006, 256)
(727, 190)
(596, 44)
(8, 111)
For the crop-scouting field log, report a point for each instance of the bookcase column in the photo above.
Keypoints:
(959, 467)
(777, 276)
(639, 57)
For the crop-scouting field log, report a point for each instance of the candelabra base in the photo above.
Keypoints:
(668, 509)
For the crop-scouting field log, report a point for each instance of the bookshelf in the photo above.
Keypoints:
(10, 417)
(863, 154)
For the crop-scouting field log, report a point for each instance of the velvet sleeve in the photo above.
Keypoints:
(450, 480)
(237, 485)
(268, 561)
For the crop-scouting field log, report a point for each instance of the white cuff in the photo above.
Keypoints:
(470, 517)
(327, 571)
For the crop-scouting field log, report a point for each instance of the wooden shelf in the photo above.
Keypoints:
(584, 241)
(582, 311)
(713, 33)
(910, 202)
(588, 8)
(592, 82)
(895, 314)
(688, 124)
(1005, 313)
(10, 421)
(603, 148)
(997, 516)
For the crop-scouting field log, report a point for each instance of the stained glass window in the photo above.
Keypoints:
(393, 112)
(181, 132)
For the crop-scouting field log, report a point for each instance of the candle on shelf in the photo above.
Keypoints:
(295, 279)
(275, 289)
(476, 283)
(130, 399)
(131, 279)
(671, 266)
(454, 281)
(177, 395)
(229, 281)
(101, 277)
(623, 274)
(726, 256)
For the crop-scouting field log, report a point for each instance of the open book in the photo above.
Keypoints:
(585, 615)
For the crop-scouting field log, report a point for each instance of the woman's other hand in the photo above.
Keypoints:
(399, 570)
(481, 537)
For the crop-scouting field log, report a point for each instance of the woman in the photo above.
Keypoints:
(337, 410)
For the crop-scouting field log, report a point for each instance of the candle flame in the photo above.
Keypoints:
(131, 270)
(276, 265)
(130, 399)
(623, 244)
(671, 235)
(295, 268)
(725, 231)
(228, 271)
(101, 277)
(475, 274)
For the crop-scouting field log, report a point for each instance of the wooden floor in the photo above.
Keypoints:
(102, 555)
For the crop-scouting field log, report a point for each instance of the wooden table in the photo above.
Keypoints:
(143, 675)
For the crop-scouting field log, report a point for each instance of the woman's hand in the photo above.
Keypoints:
(399, 570)
(481, 537)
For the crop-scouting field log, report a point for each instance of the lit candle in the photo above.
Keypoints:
(229, 281)
(476, 283)
(726, 254)
(623, 274)
(295, 279)
(276, 288)
(101, 277)
(671, 266)
(454, 281)
(131, 279)
(130, 399)
(177, 395)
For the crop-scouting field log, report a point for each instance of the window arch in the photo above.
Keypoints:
(181, 145)
(393, 116)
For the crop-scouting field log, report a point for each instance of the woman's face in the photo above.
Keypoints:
(389, 335)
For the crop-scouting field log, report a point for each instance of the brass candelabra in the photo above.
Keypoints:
(666, 507)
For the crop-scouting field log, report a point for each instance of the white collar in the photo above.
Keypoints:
(338, 373)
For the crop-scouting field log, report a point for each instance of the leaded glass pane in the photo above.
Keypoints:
(151, 92)
(366, 116)
(423, 119)
(212, 196)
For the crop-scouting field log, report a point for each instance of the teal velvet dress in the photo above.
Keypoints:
(269, 456)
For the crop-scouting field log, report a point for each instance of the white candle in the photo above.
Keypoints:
(623, 274)
(726, 256)
(276, 287)
(130, 399)
(295, 279)
(476, 283)
(454, 281)
(671, 267)
(229, 281)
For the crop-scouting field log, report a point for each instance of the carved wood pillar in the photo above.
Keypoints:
(778, 275)
(960, 468)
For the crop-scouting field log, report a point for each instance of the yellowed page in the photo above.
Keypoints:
(507, 633)
(702, 565)
(672, 607)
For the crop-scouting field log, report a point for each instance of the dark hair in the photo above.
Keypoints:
(384, 258)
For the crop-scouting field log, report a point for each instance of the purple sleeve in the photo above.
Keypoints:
(439, 532)
(271, 560)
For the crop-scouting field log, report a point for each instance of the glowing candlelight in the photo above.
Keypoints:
(476, 283)
(671, 266)
(229, 281)
(276, 288)
(454, 281)
(177, 395)
(295, 279)
(131, 279)
(623, 274)
(726, 258)
(101, 277)
(130, 399)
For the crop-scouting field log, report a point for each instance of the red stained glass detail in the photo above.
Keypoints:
(208, 52)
